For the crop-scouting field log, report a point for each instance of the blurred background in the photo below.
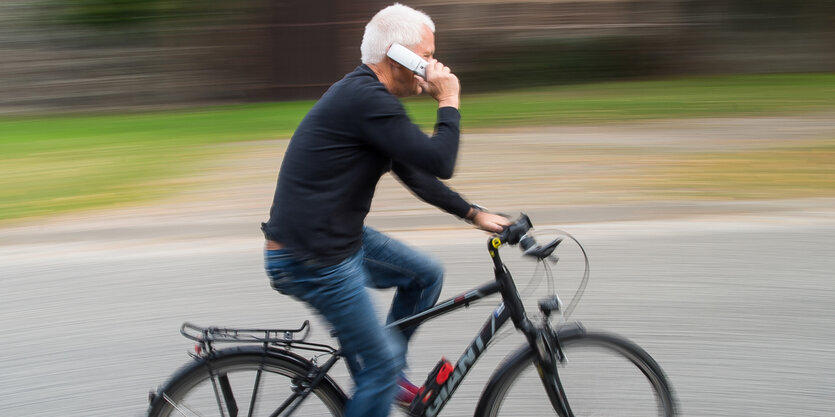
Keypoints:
(689, 144)
(61, 55)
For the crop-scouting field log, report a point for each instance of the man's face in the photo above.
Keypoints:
(404, 80)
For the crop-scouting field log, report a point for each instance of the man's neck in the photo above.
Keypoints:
(382, 74)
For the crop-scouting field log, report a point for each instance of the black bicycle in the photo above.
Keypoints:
(562, 369)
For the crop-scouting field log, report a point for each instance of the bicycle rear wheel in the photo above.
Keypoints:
(603, 375)
(245, 382)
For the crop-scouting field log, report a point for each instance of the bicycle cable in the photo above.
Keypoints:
(534, 283)
(536, 280)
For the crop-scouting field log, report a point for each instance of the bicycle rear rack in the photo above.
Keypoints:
(284, 338)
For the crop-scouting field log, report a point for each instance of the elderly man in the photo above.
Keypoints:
(318, 249)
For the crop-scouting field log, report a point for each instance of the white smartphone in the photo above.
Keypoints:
(405, 57)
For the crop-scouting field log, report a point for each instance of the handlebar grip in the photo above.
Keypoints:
(514, 233)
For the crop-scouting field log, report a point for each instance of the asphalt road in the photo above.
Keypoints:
(738, 308)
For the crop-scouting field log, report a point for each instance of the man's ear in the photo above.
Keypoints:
(392, 63)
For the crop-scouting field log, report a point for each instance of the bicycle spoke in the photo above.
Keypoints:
(180, 407)
(217, 396)
(255, 388)
(228, 396)
(289, 401)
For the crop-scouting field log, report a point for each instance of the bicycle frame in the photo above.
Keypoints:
(497, 319)
(512, 308)
(543, 341)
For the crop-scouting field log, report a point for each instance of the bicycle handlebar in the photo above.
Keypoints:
(517, 233)
(512, 234)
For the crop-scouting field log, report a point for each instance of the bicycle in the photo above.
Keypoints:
(264, 370)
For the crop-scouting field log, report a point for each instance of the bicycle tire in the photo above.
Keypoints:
(195, 391)
(620, 390)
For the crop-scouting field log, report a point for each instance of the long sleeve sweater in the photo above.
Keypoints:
(353, 135)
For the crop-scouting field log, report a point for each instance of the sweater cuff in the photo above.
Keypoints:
(449, 114)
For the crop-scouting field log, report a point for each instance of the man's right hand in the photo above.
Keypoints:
(441, 84)
(490, 222)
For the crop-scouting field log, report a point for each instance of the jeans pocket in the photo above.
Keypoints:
(279, 265)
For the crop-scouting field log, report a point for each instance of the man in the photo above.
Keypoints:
(318, 249)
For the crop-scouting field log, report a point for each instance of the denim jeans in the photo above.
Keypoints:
(375, 356)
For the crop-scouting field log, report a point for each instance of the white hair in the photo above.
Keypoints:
(395, 23)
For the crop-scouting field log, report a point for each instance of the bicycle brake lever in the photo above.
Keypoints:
(542, 252)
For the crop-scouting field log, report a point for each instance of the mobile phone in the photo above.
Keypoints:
(405, 57)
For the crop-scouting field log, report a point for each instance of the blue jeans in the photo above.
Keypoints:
(375, 356)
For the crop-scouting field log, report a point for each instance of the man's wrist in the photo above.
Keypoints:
(449, 102)
(474, 210)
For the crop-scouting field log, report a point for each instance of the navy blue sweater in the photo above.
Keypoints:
(353, 135)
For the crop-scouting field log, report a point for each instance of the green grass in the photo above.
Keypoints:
(55, 164)
(643, 100)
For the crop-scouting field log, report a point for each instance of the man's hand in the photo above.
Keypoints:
(490, 222)
(441, 84)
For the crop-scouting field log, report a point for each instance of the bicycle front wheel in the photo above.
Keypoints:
(246, 382)
(602, 375)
